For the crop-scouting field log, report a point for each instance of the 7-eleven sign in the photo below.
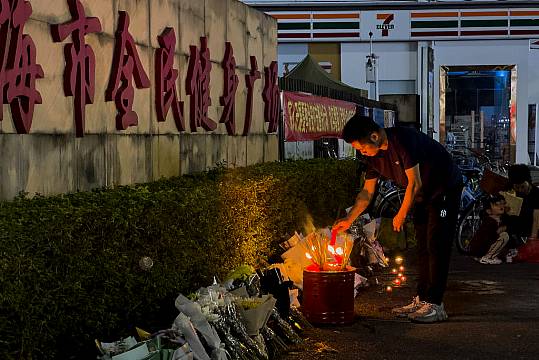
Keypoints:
(385, 23)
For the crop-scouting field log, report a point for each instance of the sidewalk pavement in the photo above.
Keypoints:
(493, 314)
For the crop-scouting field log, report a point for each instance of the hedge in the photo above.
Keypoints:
(70, 273)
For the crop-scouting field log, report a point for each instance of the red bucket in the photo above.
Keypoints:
(328, 297)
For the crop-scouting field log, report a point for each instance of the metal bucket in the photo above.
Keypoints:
(328, 297)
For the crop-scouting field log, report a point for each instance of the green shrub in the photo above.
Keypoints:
(69, 269)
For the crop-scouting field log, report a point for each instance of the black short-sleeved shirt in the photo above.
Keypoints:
(407, 148)
(524, 222)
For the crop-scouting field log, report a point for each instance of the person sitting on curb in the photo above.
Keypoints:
(521, 225)
(491, 238)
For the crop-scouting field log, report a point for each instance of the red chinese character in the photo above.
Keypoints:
(231, 81)
(198, 86)
(79, 75)
(165, 80)
(270, 94)
(4, 11)
(18, 67)
(126, 65)
(250, 79)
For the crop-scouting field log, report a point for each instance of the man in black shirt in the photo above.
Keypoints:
(520, 178)
(433, 187)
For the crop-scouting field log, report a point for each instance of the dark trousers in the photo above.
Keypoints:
(435, 222)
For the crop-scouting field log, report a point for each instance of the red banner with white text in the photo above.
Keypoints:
(308, 117)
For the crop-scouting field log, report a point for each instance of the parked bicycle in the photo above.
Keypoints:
(472, 195)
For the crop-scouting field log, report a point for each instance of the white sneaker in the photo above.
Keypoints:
(408, 309)
(490, 261)
(429, 313)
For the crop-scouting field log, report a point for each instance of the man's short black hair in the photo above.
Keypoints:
(359, 128)
(518, 173)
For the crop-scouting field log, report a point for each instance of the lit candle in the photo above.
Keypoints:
(401, 268)
(394, 271)
(403, 278)
(308, 256)
(397, 281)
(398, 260)
(389, 289)
(399, 275)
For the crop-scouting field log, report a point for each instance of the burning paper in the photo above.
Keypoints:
(326, 254)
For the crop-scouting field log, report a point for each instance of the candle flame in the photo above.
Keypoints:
(394, 271)
(308, 256)
(331, 249)
(401, 269)
(398, 260)
(389, 289)
(399, 275)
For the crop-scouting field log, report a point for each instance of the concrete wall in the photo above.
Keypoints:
(52, 160)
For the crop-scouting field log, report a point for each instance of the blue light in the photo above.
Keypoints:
(501, 73)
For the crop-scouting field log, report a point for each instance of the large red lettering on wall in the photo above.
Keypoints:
(250, 79)
(197, 85)
(18, 67)
(270, 94)
(165, 80)
(79, 75)
(126, 66)
(231, 81)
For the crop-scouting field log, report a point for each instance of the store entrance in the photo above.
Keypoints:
(477, 109)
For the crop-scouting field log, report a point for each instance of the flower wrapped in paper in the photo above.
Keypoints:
(201, 324)
(255, 312)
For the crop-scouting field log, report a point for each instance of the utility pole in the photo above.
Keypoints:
(371, 72)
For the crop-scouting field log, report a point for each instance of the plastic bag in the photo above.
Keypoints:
(529, 252)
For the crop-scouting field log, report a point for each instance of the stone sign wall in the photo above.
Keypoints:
(107, 92)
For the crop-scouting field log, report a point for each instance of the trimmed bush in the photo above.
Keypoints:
(69, 270)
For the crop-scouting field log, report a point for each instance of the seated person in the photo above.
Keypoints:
(520, 179)
(491, 237)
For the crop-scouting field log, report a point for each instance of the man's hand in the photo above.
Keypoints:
(398, 222)
(341, 225)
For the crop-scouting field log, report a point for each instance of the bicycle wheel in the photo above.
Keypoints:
(390, 205)
(467, 225)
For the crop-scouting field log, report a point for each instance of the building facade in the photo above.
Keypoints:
(473, 64)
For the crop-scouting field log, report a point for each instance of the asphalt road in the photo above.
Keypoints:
(493, 314)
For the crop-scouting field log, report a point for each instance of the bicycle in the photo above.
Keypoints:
(472, 199)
